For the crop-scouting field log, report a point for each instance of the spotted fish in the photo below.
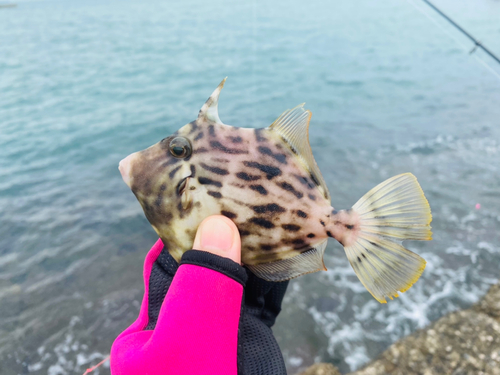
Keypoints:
(268, 183)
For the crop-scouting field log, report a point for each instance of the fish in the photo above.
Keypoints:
(267, 182)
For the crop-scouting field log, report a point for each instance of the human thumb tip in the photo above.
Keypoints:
(218, 235)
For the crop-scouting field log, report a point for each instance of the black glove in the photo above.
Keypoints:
(258, 351)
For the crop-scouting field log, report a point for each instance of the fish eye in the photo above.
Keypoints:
(180, 147)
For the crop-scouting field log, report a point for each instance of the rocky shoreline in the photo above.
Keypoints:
(462, 342)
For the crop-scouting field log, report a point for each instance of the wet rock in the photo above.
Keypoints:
(321, 369)
(460, 343)
(490, 304)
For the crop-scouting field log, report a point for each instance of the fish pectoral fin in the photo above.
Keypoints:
(307, 262)
(186, 196)
(293, 127)
(391, 212)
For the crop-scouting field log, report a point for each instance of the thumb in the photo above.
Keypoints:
(218, 235)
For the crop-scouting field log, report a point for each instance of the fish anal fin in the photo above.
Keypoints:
(293, 127)
(307, 262)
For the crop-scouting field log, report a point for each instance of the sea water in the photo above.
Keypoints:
(85, 83)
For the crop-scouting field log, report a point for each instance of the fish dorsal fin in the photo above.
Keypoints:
(210, 111)
(293, 127)
(285, 269)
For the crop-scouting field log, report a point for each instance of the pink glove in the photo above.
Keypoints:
(197, 327)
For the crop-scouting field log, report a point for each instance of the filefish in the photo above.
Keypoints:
(267, 181)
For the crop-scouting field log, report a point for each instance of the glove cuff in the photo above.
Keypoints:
(217, 263)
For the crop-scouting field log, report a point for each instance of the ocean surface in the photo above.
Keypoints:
(85, 83)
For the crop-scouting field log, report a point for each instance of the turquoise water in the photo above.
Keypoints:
(83, 84)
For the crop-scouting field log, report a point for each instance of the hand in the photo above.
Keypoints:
(198, 315)
(218, 235)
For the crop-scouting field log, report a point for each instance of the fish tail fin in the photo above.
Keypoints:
(391, 212)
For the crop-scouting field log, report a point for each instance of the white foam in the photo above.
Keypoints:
(357, 357)
(295, 361)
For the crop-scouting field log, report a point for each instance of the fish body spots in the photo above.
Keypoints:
(259, 189)
(220, 160)
(238, 202)
(304, 181)
(314, 178)
(147, 207)
(215, 194)
(267, 151)
(163, 187)
(216, 170)
(359, 259)
(171, 160)
(280, 157)
(168, 216)
(291, 227)
(259, 137)
(298, 243)
(269, 170)
(241, 186)
(235, 139)
(261, 222)
(301, 214)
(199, 150)
(322, 222)
(350, 227)
(194, 127)
(229, 214)
(184, 211)
(172, 173)
(211, 130)
(334, 212)
(158, 201)
(288, 187)
(269, 208)
(247, 177)
(241, 176)
(208, 181)
(219, 146)
(329, 234)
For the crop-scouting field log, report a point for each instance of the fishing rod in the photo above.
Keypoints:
(477, 43)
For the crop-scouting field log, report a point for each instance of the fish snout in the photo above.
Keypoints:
(124, 168)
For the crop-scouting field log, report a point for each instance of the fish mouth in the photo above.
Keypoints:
(124, 168)
(181, 187)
